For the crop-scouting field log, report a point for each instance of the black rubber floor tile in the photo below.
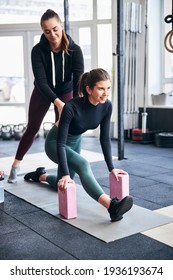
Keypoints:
(136, 182)
(133, 149)
(104, 182)
(91, 143)
(9, 224)
(126, 249)
(140, 169)
(62, 234)
(50, 227)
(28, 245)
(15, 206)
(161, 194)
(164, 177)
(99, 169)
(156, 161)
(143, 202)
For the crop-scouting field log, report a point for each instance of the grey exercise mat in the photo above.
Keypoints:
(92, 217)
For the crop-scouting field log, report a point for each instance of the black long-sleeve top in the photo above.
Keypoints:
(77, 117)
(56, 73)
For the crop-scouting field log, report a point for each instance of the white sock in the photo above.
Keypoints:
(13, 174)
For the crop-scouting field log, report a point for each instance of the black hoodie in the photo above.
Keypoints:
(56, 73)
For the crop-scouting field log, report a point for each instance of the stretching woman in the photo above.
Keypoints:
(91, 109)
(57, 63)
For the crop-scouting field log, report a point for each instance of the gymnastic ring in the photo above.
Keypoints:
(170, 33)
(165, 41)
(170, 40)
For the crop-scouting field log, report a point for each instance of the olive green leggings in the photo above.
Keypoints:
(76, 163)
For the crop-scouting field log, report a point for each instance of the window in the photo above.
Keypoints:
(80, 10)
(103, 9)
(12, 73)
(105, 46)
(85, 43)
(24, 11)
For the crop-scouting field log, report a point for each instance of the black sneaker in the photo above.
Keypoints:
(119, 207)
(34, 176)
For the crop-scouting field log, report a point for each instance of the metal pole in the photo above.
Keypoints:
(120, 73)
(66, 16)
(145, 114)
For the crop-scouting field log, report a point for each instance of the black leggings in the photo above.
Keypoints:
(38, 108)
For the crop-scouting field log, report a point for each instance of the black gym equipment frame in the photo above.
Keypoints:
(66, 17)
(120, 74)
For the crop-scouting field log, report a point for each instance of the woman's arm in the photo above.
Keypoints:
(63, 129)
(105, 140)
(106, 144)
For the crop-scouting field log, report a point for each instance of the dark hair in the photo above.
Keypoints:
(51, 14)
(90, 79)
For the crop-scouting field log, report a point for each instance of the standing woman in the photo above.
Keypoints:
(88, 111)
(57, 63)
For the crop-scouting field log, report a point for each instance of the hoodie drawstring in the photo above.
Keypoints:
(63, 65)
(53, 68)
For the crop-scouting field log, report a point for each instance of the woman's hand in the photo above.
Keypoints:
(59, 104)
(62, 183)
(57, 123)
(60, 107)
(118, 171)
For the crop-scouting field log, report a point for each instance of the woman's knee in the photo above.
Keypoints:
(83, 164)
(32, 129)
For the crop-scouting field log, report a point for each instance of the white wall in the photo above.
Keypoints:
(154, 49)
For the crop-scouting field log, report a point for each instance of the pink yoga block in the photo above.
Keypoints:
(120, 188)
(67, 202)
